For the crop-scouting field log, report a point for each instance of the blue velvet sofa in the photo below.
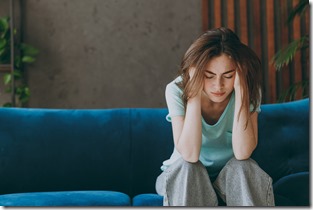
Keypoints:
(111, 157)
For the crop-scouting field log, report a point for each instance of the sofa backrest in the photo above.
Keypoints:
(284, 138)
(56, 150)
(123, 149)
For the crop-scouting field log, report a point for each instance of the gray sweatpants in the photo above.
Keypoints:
(240, 183)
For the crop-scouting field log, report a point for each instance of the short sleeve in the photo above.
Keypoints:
(175, 104)
(258, 108)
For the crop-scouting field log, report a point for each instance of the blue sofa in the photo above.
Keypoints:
(111, 157)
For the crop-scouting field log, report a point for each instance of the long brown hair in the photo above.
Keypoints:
(214, 43)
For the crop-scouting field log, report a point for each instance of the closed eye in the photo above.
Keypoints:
(228, 76)
(209, 76)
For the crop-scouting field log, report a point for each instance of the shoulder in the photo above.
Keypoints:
(172, 88)
(173, 95)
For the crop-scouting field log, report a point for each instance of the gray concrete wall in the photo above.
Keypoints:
(106, 53)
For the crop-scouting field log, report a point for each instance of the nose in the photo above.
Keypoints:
(219, 83)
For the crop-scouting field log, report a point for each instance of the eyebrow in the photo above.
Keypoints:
(227, 72)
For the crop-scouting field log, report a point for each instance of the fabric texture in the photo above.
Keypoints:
(53, 150)
(69, 198)
(240, 183)
(298, 181)
(148, 199)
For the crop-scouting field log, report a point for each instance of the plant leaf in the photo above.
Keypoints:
(4, 24)
(284, 57)
(29, 50)
(7, 78)
(298, 10)
(290, 93)
(8, 104)
(3, 43)
(28, 59)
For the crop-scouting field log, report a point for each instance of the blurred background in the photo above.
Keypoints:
(122, 53)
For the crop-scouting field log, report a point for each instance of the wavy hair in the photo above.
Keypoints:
(214, 43)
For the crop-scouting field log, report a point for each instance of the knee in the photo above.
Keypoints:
(188, 165)
(243, 164)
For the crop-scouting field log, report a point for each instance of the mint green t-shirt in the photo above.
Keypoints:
(216, 148)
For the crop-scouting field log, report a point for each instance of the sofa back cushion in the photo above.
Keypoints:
(283, 146)
(152, 143)
(53, 150)
(123, 149)
(63, 149)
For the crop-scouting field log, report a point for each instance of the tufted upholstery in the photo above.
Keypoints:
(112, 157)
(284, 135)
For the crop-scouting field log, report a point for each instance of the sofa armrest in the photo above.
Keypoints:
(295, 188)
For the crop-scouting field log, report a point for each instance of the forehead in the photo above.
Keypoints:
(220, 63)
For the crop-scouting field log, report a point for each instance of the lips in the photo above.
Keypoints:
(218, 94)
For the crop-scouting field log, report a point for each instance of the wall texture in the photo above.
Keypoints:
(106, 54)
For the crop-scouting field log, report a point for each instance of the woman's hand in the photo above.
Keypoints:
(191, 72)
(194, 92)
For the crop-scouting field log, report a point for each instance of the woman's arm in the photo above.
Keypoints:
(187, 130)
(245, 136)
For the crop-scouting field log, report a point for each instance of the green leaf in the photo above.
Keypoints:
(2, 51)
(28, 59)
(8, 104)
(7, 78)
(284, 57)
(3, 43)
(17, 74)
(27, 91)
(299, 9)
(4, 24)
(29, 50)
(17, 62)
(290, 93)
(18, 91)
(8, 90)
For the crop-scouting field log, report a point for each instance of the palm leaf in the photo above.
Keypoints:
(284, 57)
(290, 93)
(298, 10)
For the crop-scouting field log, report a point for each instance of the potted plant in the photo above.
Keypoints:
(23, 54)
(284, 56)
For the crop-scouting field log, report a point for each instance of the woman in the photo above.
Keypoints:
(213, 107)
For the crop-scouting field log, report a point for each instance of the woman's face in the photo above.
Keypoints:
(219, 78)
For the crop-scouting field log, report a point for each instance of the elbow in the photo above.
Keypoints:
(243, 155)
(192, 157)
(244, 152)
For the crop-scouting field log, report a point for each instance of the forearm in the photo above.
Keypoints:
(189, 142)
(244, 136)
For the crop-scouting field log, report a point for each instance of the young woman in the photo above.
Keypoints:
(213, 107)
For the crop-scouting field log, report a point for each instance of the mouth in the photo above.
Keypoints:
(218, 94)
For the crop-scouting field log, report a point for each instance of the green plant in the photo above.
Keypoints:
(284, 56)
(23, 54)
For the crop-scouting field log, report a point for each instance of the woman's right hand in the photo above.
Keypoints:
(194, 93)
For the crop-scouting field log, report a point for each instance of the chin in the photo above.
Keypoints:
(218, 99)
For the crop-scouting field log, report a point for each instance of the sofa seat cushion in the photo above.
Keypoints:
(66, 198)
(148, 200)
(295, 188)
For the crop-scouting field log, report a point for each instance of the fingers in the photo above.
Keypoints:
(192, 71)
